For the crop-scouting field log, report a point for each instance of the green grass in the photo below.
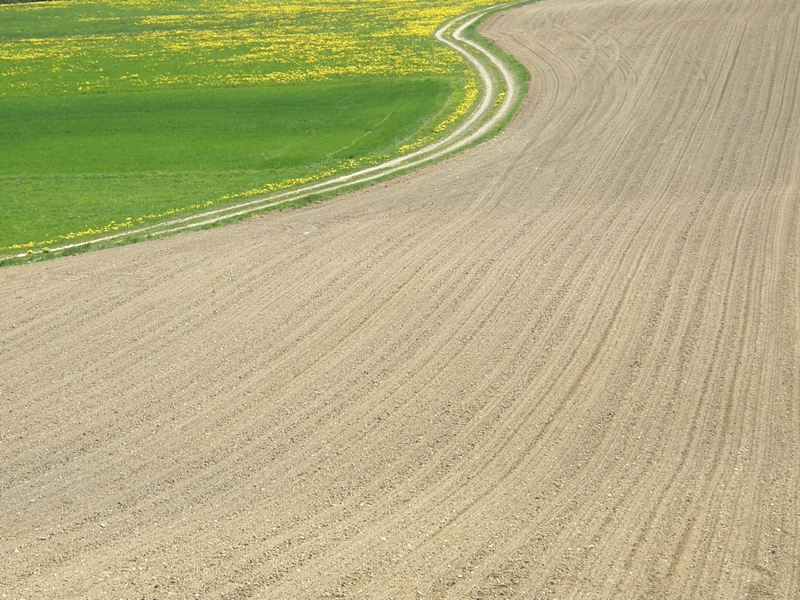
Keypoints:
(134, 111)
(81, 161)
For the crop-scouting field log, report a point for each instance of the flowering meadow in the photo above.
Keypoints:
(120, 112)
(81, 46)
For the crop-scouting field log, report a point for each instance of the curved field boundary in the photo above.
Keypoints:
(489, 114)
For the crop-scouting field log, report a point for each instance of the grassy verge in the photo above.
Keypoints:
(520, 74)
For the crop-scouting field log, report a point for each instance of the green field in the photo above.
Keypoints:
(121, 113)
(84, 161)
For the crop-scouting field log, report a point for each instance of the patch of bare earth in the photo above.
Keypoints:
(564, 364)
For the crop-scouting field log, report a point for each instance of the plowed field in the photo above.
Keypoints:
(563, 364)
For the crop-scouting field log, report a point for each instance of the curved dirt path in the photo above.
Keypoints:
(564, 364)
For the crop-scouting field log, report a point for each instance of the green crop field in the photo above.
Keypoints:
(119, 113)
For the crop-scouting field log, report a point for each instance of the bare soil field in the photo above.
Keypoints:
(563, 364)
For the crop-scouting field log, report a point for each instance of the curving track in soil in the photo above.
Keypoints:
(564, 364)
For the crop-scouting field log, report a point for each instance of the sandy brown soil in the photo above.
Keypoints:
(565, 364)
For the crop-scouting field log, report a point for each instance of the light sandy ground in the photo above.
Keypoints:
(565, 364)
